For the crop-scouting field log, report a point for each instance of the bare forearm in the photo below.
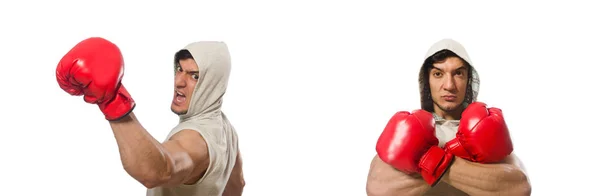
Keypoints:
(384, 180)
(390, 188)
(141, 155)
(487, 179)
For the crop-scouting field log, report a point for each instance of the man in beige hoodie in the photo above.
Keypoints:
(449, 84)
(200, 156)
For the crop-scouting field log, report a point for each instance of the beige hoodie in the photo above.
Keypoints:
(446, 129)
(205, 116)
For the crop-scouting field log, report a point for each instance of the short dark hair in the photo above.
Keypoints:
(439, 57)
(182, 55)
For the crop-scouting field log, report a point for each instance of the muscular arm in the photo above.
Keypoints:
(181, 160)
(384, 180)
(235, 184)
(506, 178)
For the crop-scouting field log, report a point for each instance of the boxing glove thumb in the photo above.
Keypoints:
(482, 135)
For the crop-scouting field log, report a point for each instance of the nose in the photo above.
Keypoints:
(449, 84)
(179, 81)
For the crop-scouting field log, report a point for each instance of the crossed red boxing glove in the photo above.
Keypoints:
(408, 143)
(94, 68)
(482, 135)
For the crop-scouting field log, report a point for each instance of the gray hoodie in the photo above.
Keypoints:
(446, 129)
(205, 116)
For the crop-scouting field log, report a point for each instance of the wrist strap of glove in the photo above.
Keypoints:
(434, 164)
(457, 149)
(118, 107)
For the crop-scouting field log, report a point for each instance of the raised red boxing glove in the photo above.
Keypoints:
(408, 143)
(94, 68)
(482, 135)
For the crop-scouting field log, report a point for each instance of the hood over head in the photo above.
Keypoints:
(214, 66)
(459, 50)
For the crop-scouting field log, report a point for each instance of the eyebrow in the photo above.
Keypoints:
(186, 71)
(461, 67)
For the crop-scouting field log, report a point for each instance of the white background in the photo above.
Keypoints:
(312, 86)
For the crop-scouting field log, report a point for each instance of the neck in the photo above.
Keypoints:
(449, 115)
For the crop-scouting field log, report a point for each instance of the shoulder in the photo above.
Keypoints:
(191, 141)
(215, 134)
(188, 135)
(192, 132)
(211, 143)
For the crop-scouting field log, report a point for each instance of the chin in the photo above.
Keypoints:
(453, 107)
(449, 106)
(177, 110)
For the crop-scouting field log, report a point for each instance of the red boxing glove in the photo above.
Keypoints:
(482, 135)
(408, 143)
(94, 68)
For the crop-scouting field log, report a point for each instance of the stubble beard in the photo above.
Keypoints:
(450, 109)
(178, 113)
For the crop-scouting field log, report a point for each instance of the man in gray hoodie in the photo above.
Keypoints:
(444, 147)
(200, 156)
